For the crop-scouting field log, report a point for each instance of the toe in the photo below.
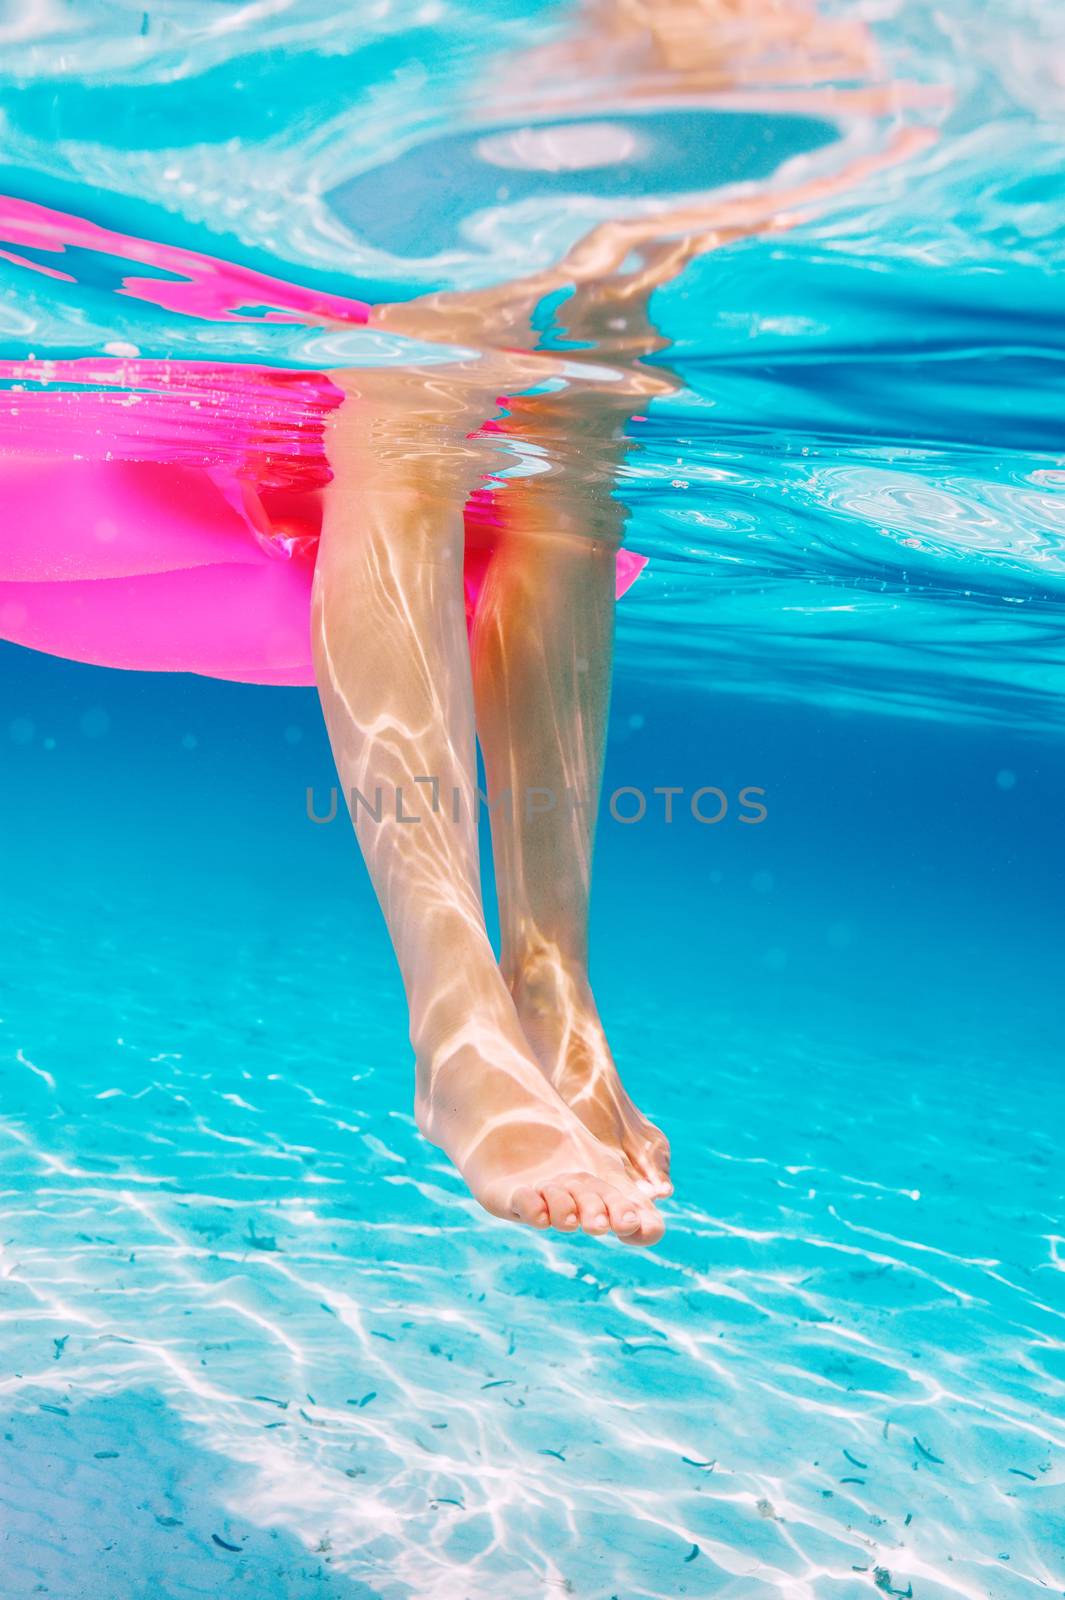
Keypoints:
(529, 1206)
(650, 1163)
(660, 1169)
(593, 1212)
(562, 1207)
(634, 1222)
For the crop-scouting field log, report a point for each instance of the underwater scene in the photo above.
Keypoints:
(740, 324)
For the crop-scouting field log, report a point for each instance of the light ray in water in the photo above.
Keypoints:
(780, 294)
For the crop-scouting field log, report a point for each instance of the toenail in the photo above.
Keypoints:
(630, 1219)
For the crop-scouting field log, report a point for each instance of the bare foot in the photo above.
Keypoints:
(524, 1154)
(561, 1022)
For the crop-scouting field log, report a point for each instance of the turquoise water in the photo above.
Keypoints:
(255, 1336)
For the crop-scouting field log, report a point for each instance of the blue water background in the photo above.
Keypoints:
(255, 1337)
(848, 1019)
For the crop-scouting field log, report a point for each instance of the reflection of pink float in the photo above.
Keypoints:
(165, 516)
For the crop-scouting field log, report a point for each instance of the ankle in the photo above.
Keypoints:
(544, 979)
(443, 1011)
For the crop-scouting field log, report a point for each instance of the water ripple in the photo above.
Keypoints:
(234, 1306)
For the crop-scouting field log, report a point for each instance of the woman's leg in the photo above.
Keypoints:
(393, 670)
(543, 656)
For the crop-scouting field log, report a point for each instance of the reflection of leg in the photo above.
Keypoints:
(393, 670)
(542, 646)
(692, 47)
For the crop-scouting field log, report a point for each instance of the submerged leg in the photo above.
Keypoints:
(543, 656)
(393, 670)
